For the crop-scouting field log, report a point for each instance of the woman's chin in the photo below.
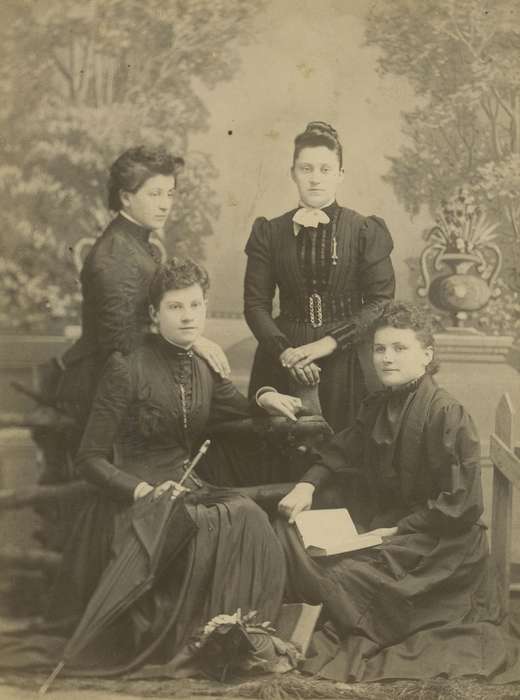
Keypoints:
(391, 379)
(183, 340)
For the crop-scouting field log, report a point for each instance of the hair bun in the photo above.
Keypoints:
(321, 128)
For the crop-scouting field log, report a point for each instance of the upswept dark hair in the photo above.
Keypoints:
(135, 166)
(319, 134)
(400, 314)
(176, 273)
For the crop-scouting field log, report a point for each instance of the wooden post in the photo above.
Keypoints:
(502, 496)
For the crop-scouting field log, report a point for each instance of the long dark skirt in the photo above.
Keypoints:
(233, 561)
(345, 375)
(417, 606)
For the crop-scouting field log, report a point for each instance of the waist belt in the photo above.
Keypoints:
(317, 309)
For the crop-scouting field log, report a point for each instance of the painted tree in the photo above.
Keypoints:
(462, 57)
(83, 81)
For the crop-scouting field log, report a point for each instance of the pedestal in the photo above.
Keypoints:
(476, 369)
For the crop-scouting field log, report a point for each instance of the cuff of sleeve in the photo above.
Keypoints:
(124, 484)
(263, 390)
(316, 475)
(344, 336)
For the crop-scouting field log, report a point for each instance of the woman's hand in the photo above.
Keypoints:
(279, 404)
(297, 500)
(177, 489)
(383, 532)
(305, 354)
(214, 356)
(309, 375)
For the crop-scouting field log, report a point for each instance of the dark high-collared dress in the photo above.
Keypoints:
(425, 602)
(152, 411)
(333, 280)
(114, 282)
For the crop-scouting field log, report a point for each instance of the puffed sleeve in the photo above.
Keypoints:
(453, 448)
(259, 290)
(109, 407)
(116, 284)
(343, 453)
(377, 281)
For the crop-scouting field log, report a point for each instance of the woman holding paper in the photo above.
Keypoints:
(423, 603)
(150, 415)
(333, 272)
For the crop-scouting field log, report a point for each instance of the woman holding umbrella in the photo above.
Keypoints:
(152, 410)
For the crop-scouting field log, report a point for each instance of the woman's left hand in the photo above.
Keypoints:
(214, 356)
(280, 404)
(383, 532)
(176, 488)
(305, 354)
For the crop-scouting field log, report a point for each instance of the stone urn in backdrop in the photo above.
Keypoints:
(461, 250)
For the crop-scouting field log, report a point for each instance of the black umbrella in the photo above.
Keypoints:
(158, 530)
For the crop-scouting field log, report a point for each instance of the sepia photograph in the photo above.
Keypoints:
(260, 349)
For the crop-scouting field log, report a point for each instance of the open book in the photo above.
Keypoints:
(328, 532)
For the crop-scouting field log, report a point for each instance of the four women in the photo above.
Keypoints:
(421, 604)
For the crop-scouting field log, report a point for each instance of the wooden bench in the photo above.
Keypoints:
(505, 459)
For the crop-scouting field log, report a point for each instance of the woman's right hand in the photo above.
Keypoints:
(177, 489)
(308, 375)
(142, 489)
(297, 500)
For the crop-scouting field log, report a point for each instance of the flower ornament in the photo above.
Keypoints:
(234, 644)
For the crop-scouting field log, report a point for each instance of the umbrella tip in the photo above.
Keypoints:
(45, 687)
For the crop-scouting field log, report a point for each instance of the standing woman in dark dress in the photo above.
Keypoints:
(117, 273)
(332, 268)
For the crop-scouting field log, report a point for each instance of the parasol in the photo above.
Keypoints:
(158, 530)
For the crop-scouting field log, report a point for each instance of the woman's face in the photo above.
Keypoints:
(152, 202)
(399, 356)
(181, 315)
(317, 175)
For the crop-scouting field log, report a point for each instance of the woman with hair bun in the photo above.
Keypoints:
(117, 272)
(333, 272)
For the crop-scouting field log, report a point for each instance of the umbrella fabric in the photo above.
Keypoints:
(158, 531)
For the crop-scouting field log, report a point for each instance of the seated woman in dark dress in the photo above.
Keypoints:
(150, 414)
(423, 603)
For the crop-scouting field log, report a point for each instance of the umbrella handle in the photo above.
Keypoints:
(202, 451)
(45, 687)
